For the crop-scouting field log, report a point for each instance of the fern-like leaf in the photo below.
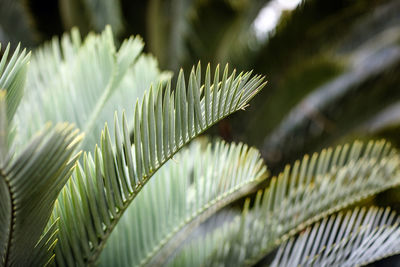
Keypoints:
(180, 196)
(356, 238)
(163, 123)
(305, 193)
(29, 185)
(83, 82)
(12, 78)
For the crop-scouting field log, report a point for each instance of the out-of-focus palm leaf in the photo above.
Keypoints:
(312, 189)
(182, 194)
(330, 112)
(15, 23)
(221, 31)
(90, 15)
(354, 238)
(163, 123)
(335, 77)
(84, 83)
(166, 26)
(385, 124)
(183, 31)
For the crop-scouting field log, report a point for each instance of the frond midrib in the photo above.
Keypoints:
(166, 246)
(92, 260)
(99, 105)
(310, 221)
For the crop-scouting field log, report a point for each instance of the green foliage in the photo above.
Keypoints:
(32, 179)
(163, 124)
(355, 238)
(141, 194)
(12, 79)
(184, 193)
(298, 197)
(91, 76)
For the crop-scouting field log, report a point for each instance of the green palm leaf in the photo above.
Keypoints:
(163, 123)
(44, 248)
(91, 76)
(182, 194)
(12, 78)
(356, 238)
(29, 185)
(311, 190)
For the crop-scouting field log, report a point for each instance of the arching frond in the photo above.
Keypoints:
(12, 78)
(81, 82)
(305, 193)
(181, 195)
(356, 238)
(163, 124)
(29, 185)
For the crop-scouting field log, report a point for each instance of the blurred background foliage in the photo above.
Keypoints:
(333, 66)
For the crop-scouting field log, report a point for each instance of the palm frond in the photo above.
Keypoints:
(29, 185)
(12, 78)
(163, 124)
(181, 195)
(89, 76)
(44, 249)
(356, 238)
(305, 193)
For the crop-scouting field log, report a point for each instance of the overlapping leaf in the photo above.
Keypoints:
(356, 238)
(84, 83)
(31, 180)
(12, 78)
(181, 195)
(29, 185)
(312, 189)
(163, 123)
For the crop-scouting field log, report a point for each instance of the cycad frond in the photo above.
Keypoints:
(44, 249)
(181, 195)
(300, 196)
(163, 124)
(29, 181)
(29, 185)
(81, 82)
(356, 238)
(12, 78)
